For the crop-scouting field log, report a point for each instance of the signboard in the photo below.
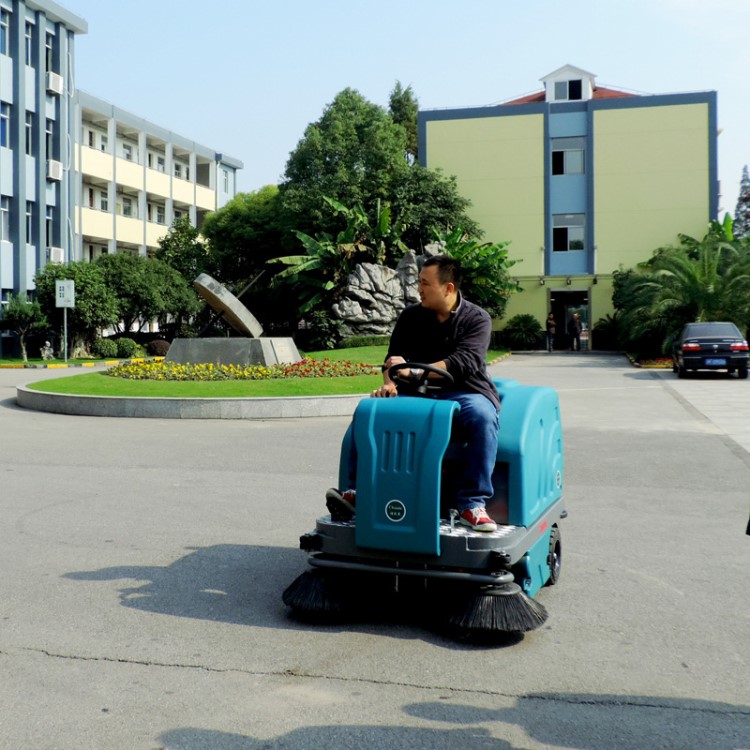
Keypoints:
(65, 293)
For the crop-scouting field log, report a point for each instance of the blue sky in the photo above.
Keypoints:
(246, 77)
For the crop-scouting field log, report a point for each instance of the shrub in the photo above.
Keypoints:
(522, 332)
(322, 331)
(104, 348)
(127, 348)
(607, 332)
(373, 340)
(158, 348)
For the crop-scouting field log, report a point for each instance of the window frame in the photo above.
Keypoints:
(4, 218)
(29, 44)
(4, 30)
(562, 148)
(562, 224)
(5, 124)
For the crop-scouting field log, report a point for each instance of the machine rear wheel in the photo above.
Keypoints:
(554, 560)
(742, 373)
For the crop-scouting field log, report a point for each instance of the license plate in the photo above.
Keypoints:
(716, 362)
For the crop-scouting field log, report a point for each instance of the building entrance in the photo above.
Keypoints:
(563, 304)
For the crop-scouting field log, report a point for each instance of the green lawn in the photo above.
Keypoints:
(100, 384)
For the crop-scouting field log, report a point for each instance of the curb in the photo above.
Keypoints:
(279, 407)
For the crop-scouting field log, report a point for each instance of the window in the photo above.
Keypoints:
(149, 212)
(50, 226)
(4, 24)
(49, 49)
(103, 143)
(226, 180)
(127, 151)
(29, 44)
(177, 169)
(5, 219)
(568, 91)
(103, 200)
(178, 214)
(160, 217)
(29, 133)
(4, 124)
(568, 231)
(91, 137)
(29, 221)
(568, 156)
(127, 206)
(50, 138)
(91, 197)
(160, 163)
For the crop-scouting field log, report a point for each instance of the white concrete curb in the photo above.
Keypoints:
(188, 408)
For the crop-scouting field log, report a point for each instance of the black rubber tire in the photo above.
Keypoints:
(742, 373)
(681, 372)
(554, 560)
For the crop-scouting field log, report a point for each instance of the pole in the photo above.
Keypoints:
(65, 332)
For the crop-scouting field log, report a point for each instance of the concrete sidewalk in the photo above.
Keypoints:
(143, 563)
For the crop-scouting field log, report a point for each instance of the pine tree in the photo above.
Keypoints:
(741, 226)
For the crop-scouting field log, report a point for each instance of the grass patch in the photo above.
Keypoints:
(101, 384)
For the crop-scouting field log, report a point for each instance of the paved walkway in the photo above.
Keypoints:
(143, 563)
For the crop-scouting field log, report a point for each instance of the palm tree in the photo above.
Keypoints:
(701, 280)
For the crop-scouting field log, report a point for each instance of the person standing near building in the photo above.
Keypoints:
(574, 331)
(550, 332)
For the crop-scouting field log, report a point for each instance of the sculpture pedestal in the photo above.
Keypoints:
(234, 351)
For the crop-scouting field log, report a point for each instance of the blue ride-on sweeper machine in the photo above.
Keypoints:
(404, 549)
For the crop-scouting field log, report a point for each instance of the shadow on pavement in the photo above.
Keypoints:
(558, 720)
(337, 738)
(243, 584)
(594, 721)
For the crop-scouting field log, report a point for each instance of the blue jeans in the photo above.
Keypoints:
(478, 420)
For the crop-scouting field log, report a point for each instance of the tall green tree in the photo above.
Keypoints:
(486, 269)
(181, 248)
(742, 212)
(426, 203)
(146, 289)
(23, 317)
(354, 154)
(403, 108)
(243, 235)
(95, 303)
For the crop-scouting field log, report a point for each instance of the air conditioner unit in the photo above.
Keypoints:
(56, 255)
(54, 170)
(55, 83)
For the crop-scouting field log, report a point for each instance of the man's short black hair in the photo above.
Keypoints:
(448, 269)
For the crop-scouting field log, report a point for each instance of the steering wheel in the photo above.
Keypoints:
(420, 385)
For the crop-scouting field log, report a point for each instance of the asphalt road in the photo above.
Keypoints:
(143, 563)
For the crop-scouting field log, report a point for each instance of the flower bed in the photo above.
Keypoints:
(306, 368)
(657, 363)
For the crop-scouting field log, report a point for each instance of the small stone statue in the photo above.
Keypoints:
(46, 351)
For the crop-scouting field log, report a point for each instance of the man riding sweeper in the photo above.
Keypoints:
(401, 477)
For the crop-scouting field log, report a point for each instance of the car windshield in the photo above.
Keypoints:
(711, 330)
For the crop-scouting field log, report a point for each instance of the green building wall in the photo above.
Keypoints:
(650, 175)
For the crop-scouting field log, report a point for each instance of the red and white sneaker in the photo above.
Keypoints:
(477, 519)
(341, 504)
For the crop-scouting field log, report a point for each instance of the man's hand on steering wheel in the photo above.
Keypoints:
(412, 375)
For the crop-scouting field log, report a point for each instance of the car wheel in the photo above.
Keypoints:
(554, 559)
(681, 372)
(742, 373)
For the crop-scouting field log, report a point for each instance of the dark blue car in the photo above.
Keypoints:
(710, 346)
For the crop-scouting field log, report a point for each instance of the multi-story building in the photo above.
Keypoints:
(134, 178)
(582, 180)
(78, 176)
